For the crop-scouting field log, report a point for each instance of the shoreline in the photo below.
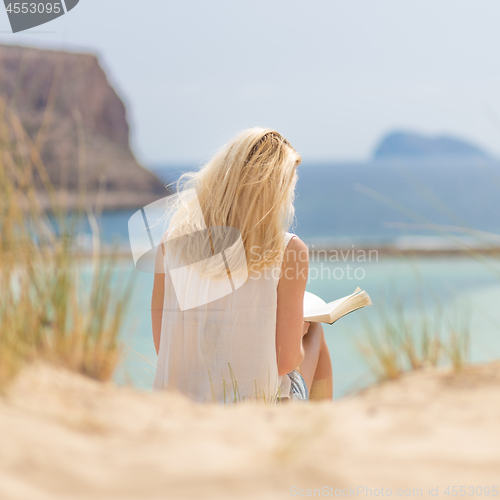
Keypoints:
(395, 251)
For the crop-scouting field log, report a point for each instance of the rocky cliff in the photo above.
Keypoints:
(78, 122)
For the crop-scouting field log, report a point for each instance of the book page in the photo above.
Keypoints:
(314, 307)
(312, 303)
(320, 309)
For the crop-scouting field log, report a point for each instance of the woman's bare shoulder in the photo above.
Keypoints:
(297, 244)
(296, 251)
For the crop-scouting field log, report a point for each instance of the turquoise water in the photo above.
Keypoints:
(460, 284)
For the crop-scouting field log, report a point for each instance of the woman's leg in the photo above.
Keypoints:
(316, 369)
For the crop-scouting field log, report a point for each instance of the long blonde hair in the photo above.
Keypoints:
(249, 185)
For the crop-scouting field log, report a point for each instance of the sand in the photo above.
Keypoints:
(64, 436)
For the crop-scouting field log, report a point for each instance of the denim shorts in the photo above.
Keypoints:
(298, 389)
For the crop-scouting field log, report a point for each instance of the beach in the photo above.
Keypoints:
(66, 436)
(336, 121)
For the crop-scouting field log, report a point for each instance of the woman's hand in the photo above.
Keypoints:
(305, 327)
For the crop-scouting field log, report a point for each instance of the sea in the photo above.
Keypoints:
(355, 208)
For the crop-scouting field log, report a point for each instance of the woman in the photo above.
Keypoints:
(251, 344)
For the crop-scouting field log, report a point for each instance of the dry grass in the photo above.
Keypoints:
(441, 337)
(46, 309)
(405, 343)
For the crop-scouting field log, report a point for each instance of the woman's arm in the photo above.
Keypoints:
(157, 298)
(290, 327)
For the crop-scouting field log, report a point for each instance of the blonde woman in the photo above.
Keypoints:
(251, 344)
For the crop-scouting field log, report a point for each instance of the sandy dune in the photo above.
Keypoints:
(63, 436)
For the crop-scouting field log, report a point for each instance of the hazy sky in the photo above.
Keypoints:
(332, 76)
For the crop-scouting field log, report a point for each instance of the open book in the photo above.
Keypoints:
(317, 310)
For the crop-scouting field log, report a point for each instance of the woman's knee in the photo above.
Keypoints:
(316, 330)
(313, 340)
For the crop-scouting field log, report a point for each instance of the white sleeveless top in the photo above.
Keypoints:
(224, 351)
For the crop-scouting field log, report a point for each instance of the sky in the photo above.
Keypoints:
(333, 76)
